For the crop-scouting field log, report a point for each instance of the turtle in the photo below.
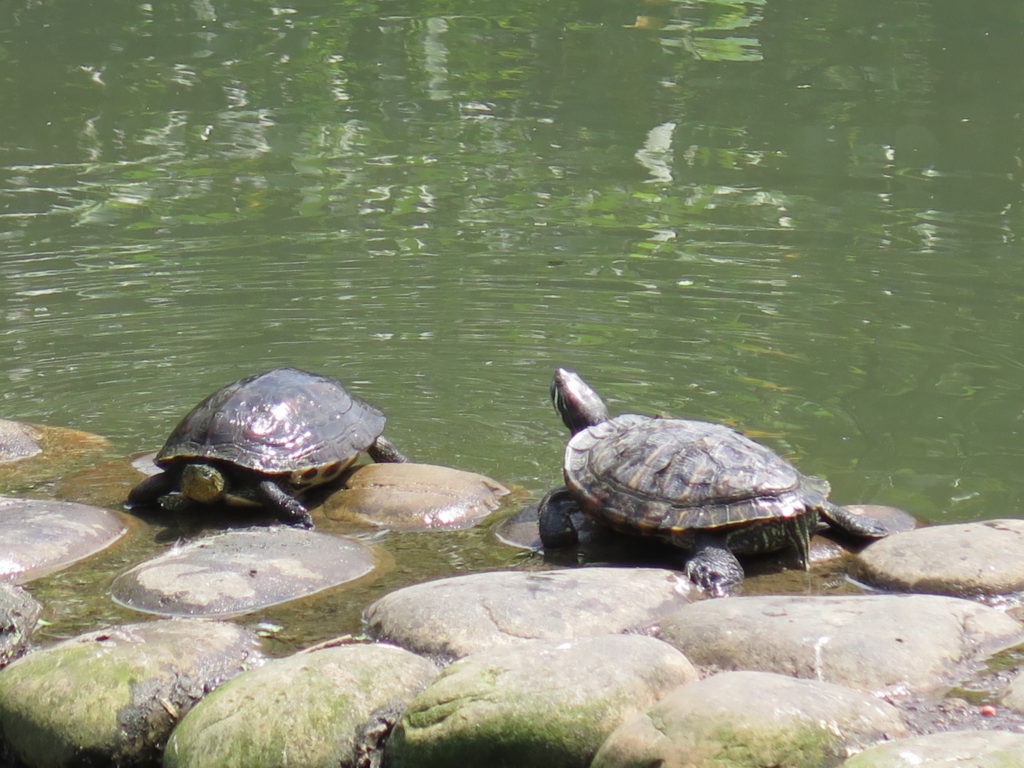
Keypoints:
(263, 441)
(704, 487)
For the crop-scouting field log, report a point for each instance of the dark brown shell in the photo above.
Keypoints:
(671, 476)
(284, 420)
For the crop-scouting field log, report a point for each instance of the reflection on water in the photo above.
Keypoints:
(803, 225)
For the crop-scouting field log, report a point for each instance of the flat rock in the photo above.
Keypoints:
(409, 496)
(326, 707)
(953, 749)
(111, 697)
(539, 703)
(457, 616)
(38, 537)
(19, 613)
(31, 454)
(241, 571)
(966, 559)
(751, 720)
(894, 644)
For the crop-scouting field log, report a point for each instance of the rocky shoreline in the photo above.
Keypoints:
(915, 665)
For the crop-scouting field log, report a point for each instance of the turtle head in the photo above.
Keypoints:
(203, 483)
(576, 402)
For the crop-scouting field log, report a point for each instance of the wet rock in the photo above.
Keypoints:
(883, 643)
(955, 749)
(18, 441)
(19, 613)
(751, 720)
(967, 560)
(326, 707)
(457, 616)
(38, 537)
(539, 703)
(410, 496)
(240, 571)
(31, 454)
(111, 697)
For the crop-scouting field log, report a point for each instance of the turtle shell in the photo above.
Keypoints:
(672, 477)
(284, 420)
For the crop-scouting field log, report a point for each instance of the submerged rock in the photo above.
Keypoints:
(751, 720)
(326, 707)
(411, 496)
(38, 537)
(966, 560)
(241, 571)
(954, 749)
(31, 454)
(111, 697)
(539, 703)
(881, 643)
(461, 615)
(19, 613)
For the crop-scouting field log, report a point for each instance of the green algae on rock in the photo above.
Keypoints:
(113, 695)
(543, 703)
(325, 707)
(751, 720)
(953, 749)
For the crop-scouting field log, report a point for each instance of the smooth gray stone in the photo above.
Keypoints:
(965, 560)
(19, 613)
(457, 616)
(241, 571)
(38, 537)
(886, 643)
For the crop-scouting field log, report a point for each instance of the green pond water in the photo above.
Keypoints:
(802, 219)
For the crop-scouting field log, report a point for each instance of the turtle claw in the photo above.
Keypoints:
(714, 568)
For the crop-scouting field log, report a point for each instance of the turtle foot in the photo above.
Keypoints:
(715, 570)
(554, 519)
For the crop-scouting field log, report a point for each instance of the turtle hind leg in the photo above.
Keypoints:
(289, 509)
(856, 525)
(554, 519)
(713, 567)
(149, 491)
(384, 451)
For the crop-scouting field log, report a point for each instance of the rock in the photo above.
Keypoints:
(31, 454)
(18, 441)
(322, 708)
(882, 643)
(112, 696)
(38, 537)
(966, 560)
(19, 613)
(751, 720)
(954, 749)
(457, 616)
(408, 496)
(539, 703)
(240, 571)
(1013, 697)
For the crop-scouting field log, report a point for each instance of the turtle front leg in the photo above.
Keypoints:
(383, 451)
(149, 491)
(289, 509)
(554, 519)
(713, 567)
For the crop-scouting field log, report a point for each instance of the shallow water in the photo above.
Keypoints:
(802, 221)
